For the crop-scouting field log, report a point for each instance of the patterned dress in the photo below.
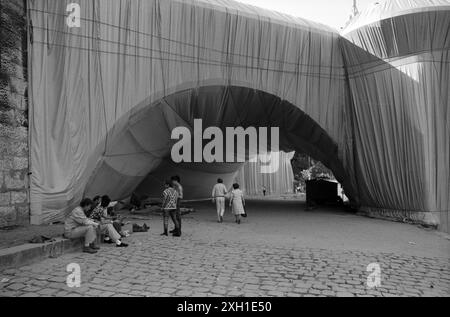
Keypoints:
(237, 198)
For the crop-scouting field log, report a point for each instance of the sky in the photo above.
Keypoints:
(334, 13)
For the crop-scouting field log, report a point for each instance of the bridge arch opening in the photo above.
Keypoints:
(137, 152)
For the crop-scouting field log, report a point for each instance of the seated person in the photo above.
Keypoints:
(136, 202)
(108, 213)
(77, 225)
(100, 214)
(116, 218)
(96, 202)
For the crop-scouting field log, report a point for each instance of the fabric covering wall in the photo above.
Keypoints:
(399, 76)
(372, 105)
(252, 181)
(92, 85)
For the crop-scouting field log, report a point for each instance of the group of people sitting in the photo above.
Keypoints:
(95, 217)
(237, 201)
(91, 218)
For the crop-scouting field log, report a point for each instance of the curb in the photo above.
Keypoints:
(32, 252)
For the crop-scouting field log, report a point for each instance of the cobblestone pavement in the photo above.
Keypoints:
(209, 260)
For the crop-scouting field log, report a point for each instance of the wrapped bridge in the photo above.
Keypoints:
(370, 103)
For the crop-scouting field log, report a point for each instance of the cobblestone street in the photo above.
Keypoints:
(280, 252)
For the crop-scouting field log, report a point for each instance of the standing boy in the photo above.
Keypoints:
(169, 207)
(177, 186)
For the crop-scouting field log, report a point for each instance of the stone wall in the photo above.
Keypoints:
(14, 189)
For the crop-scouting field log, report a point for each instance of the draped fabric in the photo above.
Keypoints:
(371, 104)
(93, 86)
(139, 155)
(398, 59)
(252, 181)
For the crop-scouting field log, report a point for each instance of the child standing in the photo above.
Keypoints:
(169, 207)
(237, 202)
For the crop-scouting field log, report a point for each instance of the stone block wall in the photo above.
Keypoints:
(14, 188)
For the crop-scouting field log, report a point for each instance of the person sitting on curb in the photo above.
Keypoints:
(100, 214)
(77, 225)
(106, 213)
(95, 202)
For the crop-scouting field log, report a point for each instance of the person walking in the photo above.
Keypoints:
(219, 193)
(237, 202)
(176, 183)
(169, 207)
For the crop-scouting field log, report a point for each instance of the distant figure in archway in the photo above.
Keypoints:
(237, 202)
(219, 193)
(264, 189)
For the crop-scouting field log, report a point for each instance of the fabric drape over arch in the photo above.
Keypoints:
(371, 104)
(88, 84)
(397, 54)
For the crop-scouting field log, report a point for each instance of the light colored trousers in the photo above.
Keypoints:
(88, 232)
(110, 231)
(220, 206)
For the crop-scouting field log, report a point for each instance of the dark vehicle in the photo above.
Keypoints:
(322, 192)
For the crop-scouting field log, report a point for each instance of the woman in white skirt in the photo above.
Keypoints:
(237, 202)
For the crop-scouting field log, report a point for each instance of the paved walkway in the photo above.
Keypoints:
(280, 250)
